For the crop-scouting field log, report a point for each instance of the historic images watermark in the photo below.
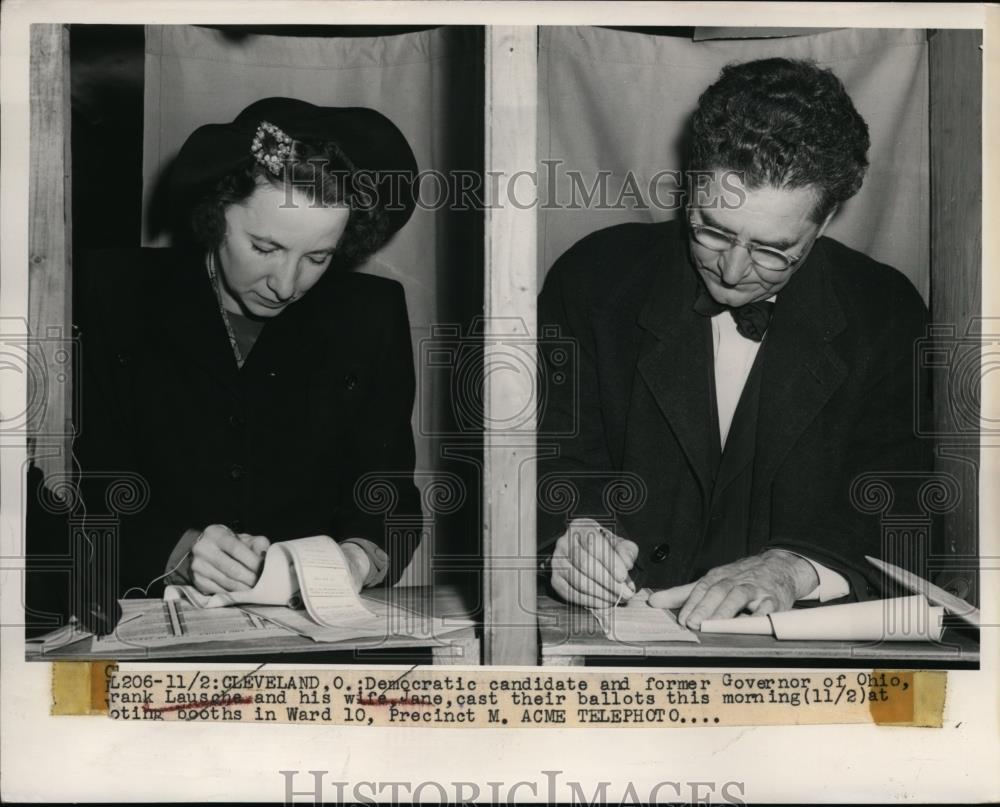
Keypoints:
(553, 186)
(549, 786)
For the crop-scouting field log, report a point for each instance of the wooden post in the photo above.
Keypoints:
(956, 82)
(510, 631)
(50, 287)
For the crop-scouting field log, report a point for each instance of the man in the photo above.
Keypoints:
(735, 370)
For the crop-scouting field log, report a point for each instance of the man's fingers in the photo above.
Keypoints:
(672, 598)
(581, 584)
(585, 587)
(577, 597)
(626, 550)
(617, 555)
(640, 598)
(585, 557)
(706, 604)
(736, 600)
(594, 557)
(766, 605)
(698, 591)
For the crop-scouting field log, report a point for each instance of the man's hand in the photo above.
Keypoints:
(223, 561)
(762, 584)
(590, 565)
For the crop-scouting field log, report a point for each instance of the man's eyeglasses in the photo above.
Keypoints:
(717, 240)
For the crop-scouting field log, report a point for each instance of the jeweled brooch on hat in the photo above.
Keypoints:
(271, 147)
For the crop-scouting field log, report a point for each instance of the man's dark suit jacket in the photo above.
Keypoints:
(275, 448)
(630, 426)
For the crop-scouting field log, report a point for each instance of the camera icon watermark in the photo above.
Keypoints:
(458, 366)
(955, 366)
(43, 364)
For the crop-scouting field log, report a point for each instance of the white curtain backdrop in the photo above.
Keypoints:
(421, 81)
(617, 101)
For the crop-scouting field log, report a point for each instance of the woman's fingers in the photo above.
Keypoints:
(242, 555)
(226, 564)
(208, 571)
(258, 544)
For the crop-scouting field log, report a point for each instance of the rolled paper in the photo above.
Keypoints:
(755, 625)
(277, 585)
(937, 595)
(903, 619)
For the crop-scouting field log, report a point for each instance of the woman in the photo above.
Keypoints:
(249, 384)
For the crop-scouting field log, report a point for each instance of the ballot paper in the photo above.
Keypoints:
(388, 620)
(313, 570)
(632, 624)
(158, 623)
(902, 619)
(58, 639)
(314, 573)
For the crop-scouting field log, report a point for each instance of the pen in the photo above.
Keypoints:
(638, 574)
(629, 574)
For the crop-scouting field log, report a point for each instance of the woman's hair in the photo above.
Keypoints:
(323, 173)
(783, 123)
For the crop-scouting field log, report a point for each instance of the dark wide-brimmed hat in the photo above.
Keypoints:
(371, 141)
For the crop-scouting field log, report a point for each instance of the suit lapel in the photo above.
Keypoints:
(287, 343)
(201, 336)
(283, 344)
(741, 441)
(800, 370)
(676, 360)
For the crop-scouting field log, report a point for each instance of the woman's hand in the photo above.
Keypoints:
(223, 561)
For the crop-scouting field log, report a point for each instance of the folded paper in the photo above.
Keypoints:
(641, 623)
(903, 619)
(314, 569)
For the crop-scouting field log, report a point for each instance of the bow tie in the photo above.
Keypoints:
(751, 319)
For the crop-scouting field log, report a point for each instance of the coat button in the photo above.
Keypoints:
(123, 359)
(350, 381)
(660, 553)
(236, 421)
(236, 472)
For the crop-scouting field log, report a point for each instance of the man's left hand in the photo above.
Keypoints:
(762, 584)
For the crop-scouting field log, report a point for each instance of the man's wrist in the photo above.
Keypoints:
(803, 574)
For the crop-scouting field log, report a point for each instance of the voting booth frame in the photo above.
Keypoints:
(509, 627)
